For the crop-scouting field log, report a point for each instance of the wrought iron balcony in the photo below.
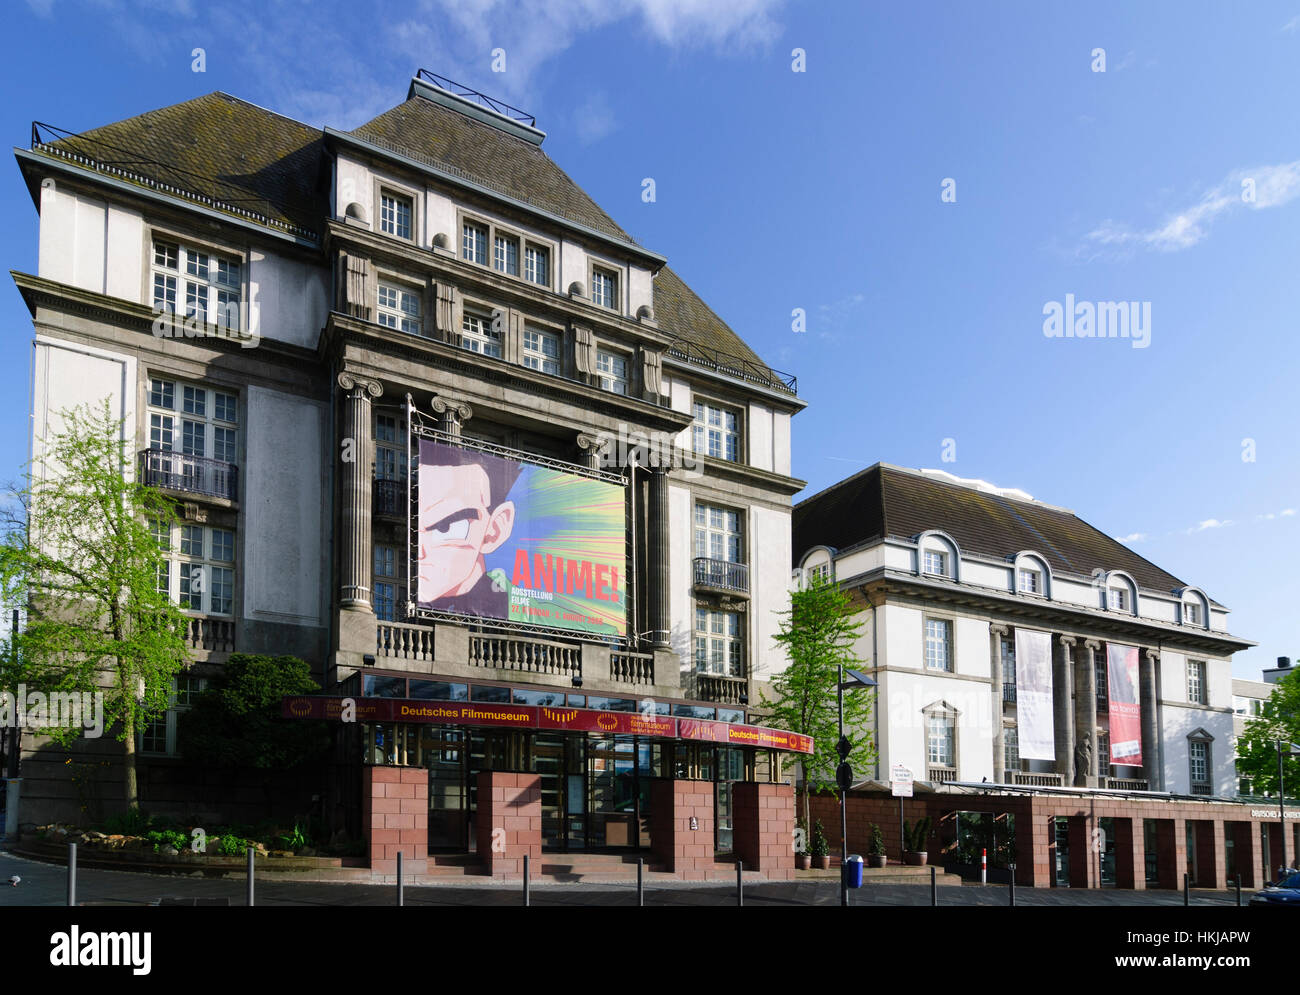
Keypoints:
(721, 575)
(194, 474)
(1009, 693)
(390, 497)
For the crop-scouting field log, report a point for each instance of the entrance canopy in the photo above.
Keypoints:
(416, 710)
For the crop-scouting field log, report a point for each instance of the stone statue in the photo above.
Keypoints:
(1083, 766)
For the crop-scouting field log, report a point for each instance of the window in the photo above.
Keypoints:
(611, 371)
(936, 563)
(1103, 754)
(821, 571)
(718, 643)
(481, 333)
(717, 533)
(385, 582)
(941, 735)
(198, 425)
(1031, 582)
(399, 308)
(1118, 599)
(210, 285)
(1008, 670)
(604, 287)
(1196, 682)
(473, 243)
(159, 736)
(716, 432)
(505, 254)
(395, 215)
(390, 454)
(537, 264)
(938, 644)
(1011, 743)
(541, 351)
(200, 567)
(1247, 706)
(1199, 757)
(1192, 613)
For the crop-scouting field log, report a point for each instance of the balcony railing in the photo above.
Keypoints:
(722, 689)
(195, 474)
(390, 497)
(940, 775)
(214, 634)
(1202, 789)
(1009, 693)
(722, 575)
(402, 641)
(1033, 779)
(632, 668)
(534, 656)
(1126, 783)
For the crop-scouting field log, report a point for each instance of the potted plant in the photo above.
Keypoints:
(802, 858)
(876, 857)
(821, 849)
(915, 836)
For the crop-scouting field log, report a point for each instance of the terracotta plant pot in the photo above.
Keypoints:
(877, 860)
(803, 861)
(915, 858)
(822, 862)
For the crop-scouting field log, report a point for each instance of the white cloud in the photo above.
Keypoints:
(1272, 186)
(1290, 26)
(1270, 516)
(1210, 523)
(594, 118)
(1132, 537)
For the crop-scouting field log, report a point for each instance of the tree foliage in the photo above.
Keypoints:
(236, 722)
(818, 635)
(1279, 718)
(81, 553)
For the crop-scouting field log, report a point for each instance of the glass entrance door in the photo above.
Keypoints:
(548, 761)
(1062, 836)
(445, 756)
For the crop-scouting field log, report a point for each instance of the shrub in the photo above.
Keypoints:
(877, 841)
(820, 847)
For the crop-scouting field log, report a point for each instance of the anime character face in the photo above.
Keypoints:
(457, 528)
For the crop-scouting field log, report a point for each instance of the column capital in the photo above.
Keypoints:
(1067, 640)
(1152, 654)
(359, 384)
(444, 405)
(1092, 644)
(998, 629)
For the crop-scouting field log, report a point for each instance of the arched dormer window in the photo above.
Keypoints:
(1195, 607)
(1032, 575)
(937, 555)
(818, 562)
(1119, 592)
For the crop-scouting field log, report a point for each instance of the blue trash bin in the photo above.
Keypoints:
(852, 871)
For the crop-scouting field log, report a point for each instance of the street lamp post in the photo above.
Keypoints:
(1290, 750)
(844, 773)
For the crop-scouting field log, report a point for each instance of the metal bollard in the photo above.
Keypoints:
(740, 882)
(934, 886)
(1187, 895)
(526, 901)
(251, 853)
(72, 874)
(640, 883)
(1013, 886)
(1238, 889)
(400, 897)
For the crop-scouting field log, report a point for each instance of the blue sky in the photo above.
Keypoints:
(821, 190)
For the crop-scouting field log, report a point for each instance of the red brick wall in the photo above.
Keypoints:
(764, 822)
(395, 817)
(688, 852)
(511, 803)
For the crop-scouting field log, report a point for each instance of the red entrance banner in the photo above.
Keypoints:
(540, 717)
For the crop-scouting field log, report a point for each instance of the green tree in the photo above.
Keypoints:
(80, 550)
(1279, 718)
(236, 722)
(818, 633)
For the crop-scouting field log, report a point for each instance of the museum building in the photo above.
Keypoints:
(438, 425)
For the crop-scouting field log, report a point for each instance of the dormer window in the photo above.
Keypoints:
(1031, 582)
(395, 215)
(1192, 613)
(1117, 599)
(604, 287)
(936, 562)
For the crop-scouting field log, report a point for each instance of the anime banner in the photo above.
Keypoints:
(508, 540)
(1034, 694)
(1125, 712)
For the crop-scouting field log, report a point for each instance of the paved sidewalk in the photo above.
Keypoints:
(46, 884)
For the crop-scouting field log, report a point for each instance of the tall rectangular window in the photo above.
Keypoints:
(938, 644)
(1011, 742)
(1199, 754)
(473, 243)
(395, 215)
(399, 308)
(505, 254)
(716, 432)
(390, 448)
(200, 567)
(1196, 682)
(160, 735)
(537, 265)
(195, 421)
(480, 333)
(941, 736)
(210, 285)
(719, 646)
(604, 287)
(611, 371)
(541, 350)
(718, 534)
(385, 582)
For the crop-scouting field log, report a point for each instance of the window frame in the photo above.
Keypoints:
(709, 532)
(1208, 780)
(176, 560)
(477, 310)
(546, 332)
(524, 241)
(700, 429)
(942, 556)
(170, 719)
(399, 200)
(387, 281)
(950, 647)
(1198, 693)
(179, 417)
(605, 349)
(216, 252)
(1035, 575)
(615, 276)
(387, 186)
(704, 638)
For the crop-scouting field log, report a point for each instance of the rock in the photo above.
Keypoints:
(170, 851)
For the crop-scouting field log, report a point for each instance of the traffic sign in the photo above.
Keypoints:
(900, 781)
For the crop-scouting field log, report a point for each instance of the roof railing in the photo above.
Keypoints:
(482, 99)
(732, 366)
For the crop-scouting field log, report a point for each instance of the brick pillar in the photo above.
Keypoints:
(1243, 836)
(395, 817)
(687, 852)
(1171, 852)
(1036, 866)
(509, 816)
(1211, 863)
(764, 824)
(1130, 854)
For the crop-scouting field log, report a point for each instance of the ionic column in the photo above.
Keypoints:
(1085, 716)
(659, 547)
(1151, 769)
(996, 633)
(593, 449)
(355, 590)
(452, 415)
(1063, 707)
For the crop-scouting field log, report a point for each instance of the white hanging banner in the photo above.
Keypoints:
(1034, 695)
